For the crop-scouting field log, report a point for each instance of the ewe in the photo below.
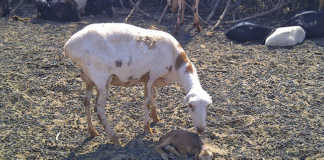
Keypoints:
(126, 55)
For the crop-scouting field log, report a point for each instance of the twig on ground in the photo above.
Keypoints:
(223, 15)
(140, 10)
(211, 14)
(163, 13)
(133, 10)
(277, 7)
(18, 5)
(122, 4)
(193, 11)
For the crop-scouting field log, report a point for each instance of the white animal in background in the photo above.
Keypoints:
(286, 36)
(125, 55)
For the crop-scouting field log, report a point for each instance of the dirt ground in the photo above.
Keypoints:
(268, 102)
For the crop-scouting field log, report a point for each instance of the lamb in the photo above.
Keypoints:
(125, 55)
(184, 143)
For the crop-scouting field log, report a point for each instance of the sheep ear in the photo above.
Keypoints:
(187, 98)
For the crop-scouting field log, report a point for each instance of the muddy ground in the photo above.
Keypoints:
(268, 102)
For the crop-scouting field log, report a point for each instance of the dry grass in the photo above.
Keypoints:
(268, 102)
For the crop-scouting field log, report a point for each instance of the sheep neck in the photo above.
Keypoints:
(189, 80)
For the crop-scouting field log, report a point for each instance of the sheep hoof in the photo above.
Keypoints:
(197, 26)
(93, 132)
(148, 129)
(155, 119)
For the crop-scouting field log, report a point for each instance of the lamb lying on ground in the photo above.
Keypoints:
(184, 143)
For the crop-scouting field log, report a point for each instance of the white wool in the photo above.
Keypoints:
(286, 36)
(129, 52)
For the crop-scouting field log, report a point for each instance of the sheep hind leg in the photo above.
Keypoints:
(180, 8)
(321, 5)
(89, 86)
(148, 99)
(93, 132)
(183, 8)
(153, 114)
(196, 16)
(101, 103)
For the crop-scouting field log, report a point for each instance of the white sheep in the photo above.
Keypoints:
(126, 55)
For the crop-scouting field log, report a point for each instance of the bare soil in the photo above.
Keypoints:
(268, 102)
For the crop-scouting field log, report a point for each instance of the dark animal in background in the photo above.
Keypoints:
(311, 21)
(95, 7)
(4, 7)
(58, 10)
(247, 31)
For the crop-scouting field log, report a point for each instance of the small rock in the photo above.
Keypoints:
(209, 33)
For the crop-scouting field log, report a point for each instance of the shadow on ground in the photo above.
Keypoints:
(131, 151)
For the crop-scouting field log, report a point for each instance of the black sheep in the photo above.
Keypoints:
(311, 21)
(246, 31)
(95, 7)
(58, 10)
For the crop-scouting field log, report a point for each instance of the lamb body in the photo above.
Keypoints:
(184, 143)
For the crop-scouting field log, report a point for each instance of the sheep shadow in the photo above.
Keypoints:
(138, 148)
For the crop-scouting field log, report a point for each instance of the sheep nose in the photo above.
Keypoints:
(200, 130)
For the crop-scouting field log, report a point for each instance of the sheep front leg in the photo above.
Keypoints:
(93, 132)
(101, 103)
(153, 114)
(89, 86)
(147, 103)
